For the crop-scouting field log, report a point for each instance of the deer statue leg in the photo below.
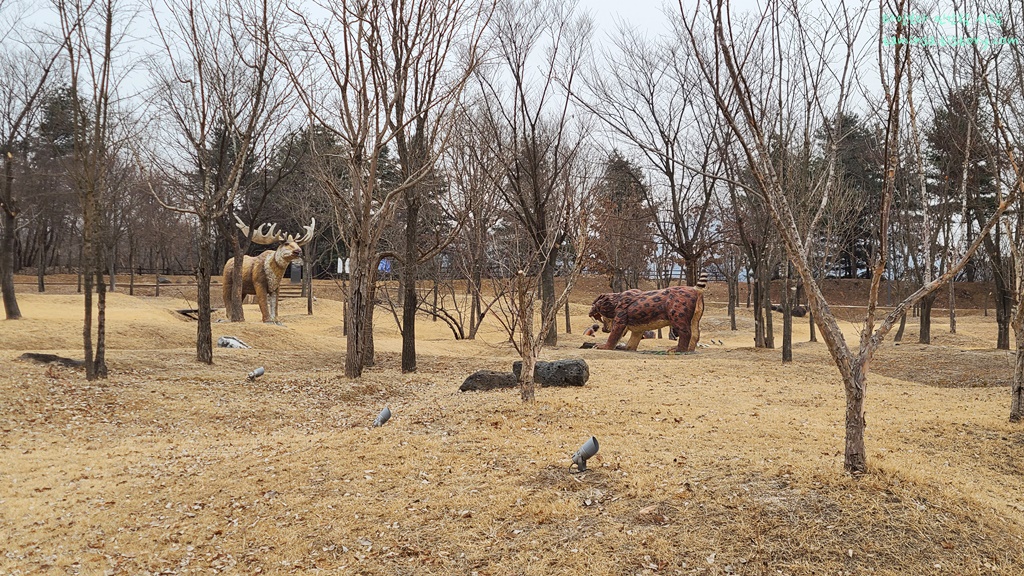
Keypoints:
(229, 288)
(261, 299)
(226, 282)
(272, 305)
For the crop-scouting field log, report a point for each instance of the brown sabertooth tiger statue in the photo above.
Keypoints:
(261, 275)
(680, 307)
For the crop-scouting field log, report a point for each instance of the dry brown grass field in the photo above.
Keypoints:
(721, 462)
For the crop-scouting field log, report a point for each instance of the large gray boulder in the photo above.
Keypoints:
(557, 373)
(573, 372)
(489, 380)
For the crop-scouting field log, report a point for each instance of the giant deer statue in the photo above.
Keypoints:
(261, 275)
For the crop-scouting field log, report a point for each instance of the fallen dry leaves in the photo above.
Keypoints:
(721, 462)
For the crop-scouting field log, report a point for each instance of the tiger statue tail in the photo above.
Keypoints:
(702, 281)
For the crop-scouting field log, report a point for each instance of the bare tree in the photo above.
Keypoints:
(745, 103)
(424, 40)
(521, 261)
(219, 88)
(298, 197)
(532, 117)
(49, 196)
(1001, 73)
(100, 134)
(475, 171)
(645, 91)
(752, 232)
(963, 141)
(1015, 232)
(25, 67)
(378, 75)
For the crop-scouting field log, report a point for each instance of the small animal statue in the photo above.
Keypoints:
(231, 342)
(261, 275)
(680, 307)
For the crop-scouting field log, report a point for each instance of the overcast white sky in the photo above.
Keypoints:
(643, 15)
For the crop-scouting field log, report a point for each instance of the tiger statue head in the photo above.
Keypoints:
(605, 305)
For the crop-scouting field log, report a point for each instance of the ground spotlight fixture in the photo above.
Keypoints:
(383, 417)
(581, 456)
(256, 373)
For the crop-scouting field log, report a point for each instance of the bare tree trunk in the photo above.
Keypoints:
(371, 306)
(204, 331)
(1004, 309)
(10, 214)
(407, 277)
(7, 267)
(100, 360)
(547, 296)
(692, 270)
(926, 318)
(766, 304)
(1017, 390)
(90, 373)
(899, 332)
(734, 299)
(41, 260)
(131, 266)
(90, 368)
(952, 307)
(568, 325)
(41, 276)
(90, 265)
(476, 285)
(617, 282)
(356, 316)
(112, 265)
(307, 278)
(233, 306)
(527, 386)
(855, 455)
(787, 320)
(759, 341)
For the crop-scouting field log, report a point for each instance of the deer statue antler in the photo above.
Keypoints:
(305, 238)
(261, 236)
